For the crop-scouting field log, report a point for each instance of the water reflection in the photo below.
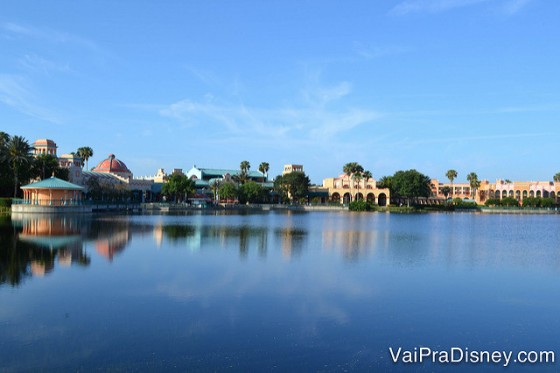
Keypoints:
(245, 237)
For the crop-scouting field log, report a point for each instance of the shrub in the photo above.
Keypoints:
(361, 205)
(5, 202)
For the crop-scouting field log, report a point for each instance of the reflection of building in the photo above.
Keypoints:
(110, 246)
(499, 190)
(344, 189)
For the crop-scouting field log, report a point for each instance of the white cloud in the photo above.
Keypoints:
(515, 6)
(15, 93)
(431, 6)
(34, 63)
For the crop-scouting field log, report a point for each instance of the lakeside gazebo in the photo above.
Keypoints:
(52, 192)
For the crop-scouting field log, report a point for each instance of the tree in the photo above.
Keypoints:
(263, 167)
(410, 184)
(6, 180)
(44, 165)
(215, 189)
(244, 166)
(251, 192)
(18, 154)
(473, 182)
(557, 177)
(446, 190)
(178, 186)
(385, 182)
(228, 191)
(354, 171)
(451, 175)
(85, 152)
(294, 185)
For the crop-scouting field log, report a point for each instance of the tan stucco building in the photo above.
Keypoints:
(344, 189)
(500, 189)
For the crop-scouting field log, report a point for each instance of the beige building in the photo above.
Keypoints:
(344, 189)
(499, 190)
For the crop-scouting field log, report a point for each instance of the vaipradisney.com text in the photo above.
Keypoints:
(463, 355)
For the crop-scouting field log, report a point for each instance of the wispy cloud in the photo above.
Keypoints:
(34, 63)
(509, 7)
(374, 52)
(431, 6)
(15, 93)
(513, 6)
(318, 116)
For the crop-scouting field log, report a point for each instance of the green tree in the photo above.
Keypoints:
(474, 183)
(446, 190)
(410, 184)
(44, 166)
(228, 191)
(557, 177)
(354, 171)
(451, 175)
(294, 185)
(263, 167)
(18, 155)
(385, 182)
(85, 152)
(244, 166)
(6, 179)
(251, 192)
(178, 186)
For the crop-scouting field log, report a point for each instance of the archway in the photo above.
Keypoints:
(371, 197)
(497, 194)
(531, 194)
(511, 193)
(382, 199)
(545, 194)
(359, 197)
(524, 194)
(346, 198)
(335, 197)
(518, 195)
(539, 194)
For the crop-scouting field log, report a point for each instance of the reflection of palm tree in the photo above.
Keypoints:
(18, 153)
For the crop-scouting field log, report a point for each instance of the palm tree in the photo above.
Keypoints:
(557, 177)
(85, 152)
(18, 153)
(354, 171)
(263, 167)
(451, 175)
(244, 166)
(474, 183)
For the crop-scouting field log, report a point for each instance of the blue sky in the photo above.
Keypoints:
(428, 84)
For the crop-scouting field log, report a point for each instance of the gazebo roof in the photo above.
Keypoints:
(53, 183)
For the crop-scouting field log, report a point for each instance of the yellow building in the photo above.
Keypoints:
(499, 190)
(344, 189)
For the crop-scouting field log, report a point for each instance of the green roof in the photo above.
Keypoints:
(52, 183)
(220, 172)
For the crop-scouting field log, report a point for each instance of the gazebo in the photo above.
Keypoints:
(52, 192)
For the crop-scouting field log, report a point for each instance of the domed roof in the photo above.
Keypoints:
(44, 142)
(111, 164)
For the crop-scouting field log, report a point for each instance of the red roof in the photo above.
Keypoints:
(111, 164)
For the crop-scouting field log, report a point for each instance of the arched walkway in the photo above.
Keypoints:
(371, 197)
(335, 197)
(382, 199)
(347, 198)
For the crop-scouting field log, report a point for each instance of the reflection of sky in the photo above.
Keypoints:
(257, 291)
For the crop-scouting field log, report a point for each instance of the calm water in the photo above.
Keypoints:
(274, 291)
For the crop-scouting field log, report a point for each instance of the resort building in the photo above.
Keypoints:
(44, 146)
(344, 189)
(289, 168)
(499, 190)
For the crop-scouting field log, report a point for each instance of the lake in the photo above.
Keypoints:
(276, 291)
